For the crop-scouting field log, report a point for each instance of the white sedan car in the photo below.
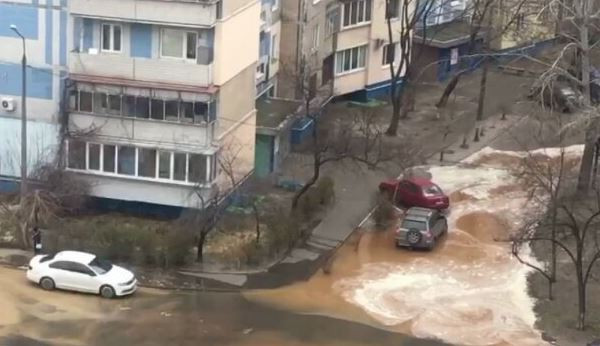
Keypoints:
(80, 271)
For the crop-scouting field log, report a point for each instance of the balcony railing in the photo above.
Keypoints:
(191, 13)
(155, 70)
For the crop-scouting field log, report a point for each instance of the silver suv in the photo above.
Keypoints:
(421, 228)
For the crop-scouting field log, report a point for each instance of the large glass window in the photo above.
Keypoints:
(85, 101)
(179, 166)
(178, 44)
(350, 59)
(157, 109)
(76, 158)
(164, 165)
(108, 158)
(126, 160)
(111, 38)
(389, 54)
(142, 107)
(197, 168)
(94, 156)
(357, 12)
(147, 163)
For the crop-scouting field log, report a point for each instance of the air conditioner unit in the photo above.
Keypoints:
(7, 104)
(379, 43)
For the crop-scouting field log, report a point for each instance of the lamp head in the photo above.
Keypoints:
(13, 27)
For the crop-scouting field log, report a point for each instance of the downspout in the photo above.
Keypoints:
(298, 42)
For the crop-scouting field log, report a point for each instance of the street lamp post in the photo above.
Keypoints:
(23, 115)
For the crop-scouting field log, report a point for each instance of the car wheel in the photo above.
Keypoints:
(107, 291)
(47, 283)
(413, 237)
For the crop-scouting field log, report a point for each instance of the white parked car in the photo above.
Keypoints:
(80, 271)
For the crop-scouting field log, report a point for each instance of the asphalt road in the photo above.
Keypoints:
(31, 316)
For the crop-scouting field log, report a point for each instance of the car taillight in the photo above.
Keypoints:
(428, 234)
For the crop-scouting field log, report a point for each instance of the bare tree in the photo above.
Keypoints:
(577, 236)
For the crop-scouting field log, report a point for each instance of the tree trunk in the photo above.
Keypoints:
(392, 130)
(482, 90)
(257, 219)
(200, 245)
(553, 250)
(448, 91)
(581, 298)
(587, 160)
(310, 183)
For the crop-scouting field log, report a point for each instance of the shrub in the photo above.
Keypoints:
(384, 213)
(176, 247)
(325, 190)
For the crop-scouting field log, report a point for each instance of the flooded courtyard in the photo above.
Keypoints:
(468, 291)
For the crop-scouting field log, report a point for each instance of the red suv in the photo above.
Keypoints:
(415, 192)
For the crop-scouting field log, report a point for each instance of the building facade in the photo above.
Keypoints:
(343, 44)
(268, 60)
(44, 26)
(160, 92)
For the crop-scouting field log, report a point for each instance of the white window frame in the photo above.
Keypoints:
(183, 56)
(367, 4)
(396, 54)
(275, 6)
(111, 42)
(361, 48)
(316, 39)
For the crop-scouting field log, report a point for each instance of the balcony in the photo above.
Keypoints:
(125, 130)
(198, 13)
(153, 70)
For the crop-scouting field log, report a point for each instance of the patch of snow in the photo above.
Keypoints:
(573, 150)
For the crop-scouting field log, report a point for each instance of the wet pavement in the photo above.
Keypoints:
(467, 291)
(31, 316)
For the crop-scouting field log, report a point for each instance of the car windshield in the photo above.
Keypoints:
(100, 266)
(412, 224)
(432, 190)
(46, 258)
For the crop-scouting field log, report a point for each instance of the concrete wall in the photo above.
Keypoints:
(232, 7)
(237, 150)
(236, 100)
(44, 25)
(367, 34)
(236, 43)
(148, 11)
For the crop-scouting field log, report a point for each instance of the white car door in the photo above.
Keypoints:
(60, 272)
(83, 278)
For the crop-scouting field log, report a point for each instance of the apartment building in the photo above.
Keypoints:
(342, 44)
(442, 38)
(268, 60)
(43, 24)
(160, 93)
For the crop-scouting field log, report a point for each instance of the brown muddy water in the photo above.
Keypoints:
(468, 291)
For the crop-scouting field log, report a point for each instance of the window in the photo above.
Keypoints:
(147, 163)
(197, 168)
(164, 165)
(157, 109)
(172, 110)
(108, 158)
(107, 104)
(179, 166)
(178, 44)
(392, 8)
(200, 112)
(274, 46)
(142, 107)
(389, 54)
(129, 106)
(275, 5)
(85, 101)
(332, 23)
(187, 111)
(357, 12)
(114, 104)
(76, 157)
(62, 265)
(94, 156)
(111, 38)
(126, 160)
(350, 59)
(316, 36)
(412, 224)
